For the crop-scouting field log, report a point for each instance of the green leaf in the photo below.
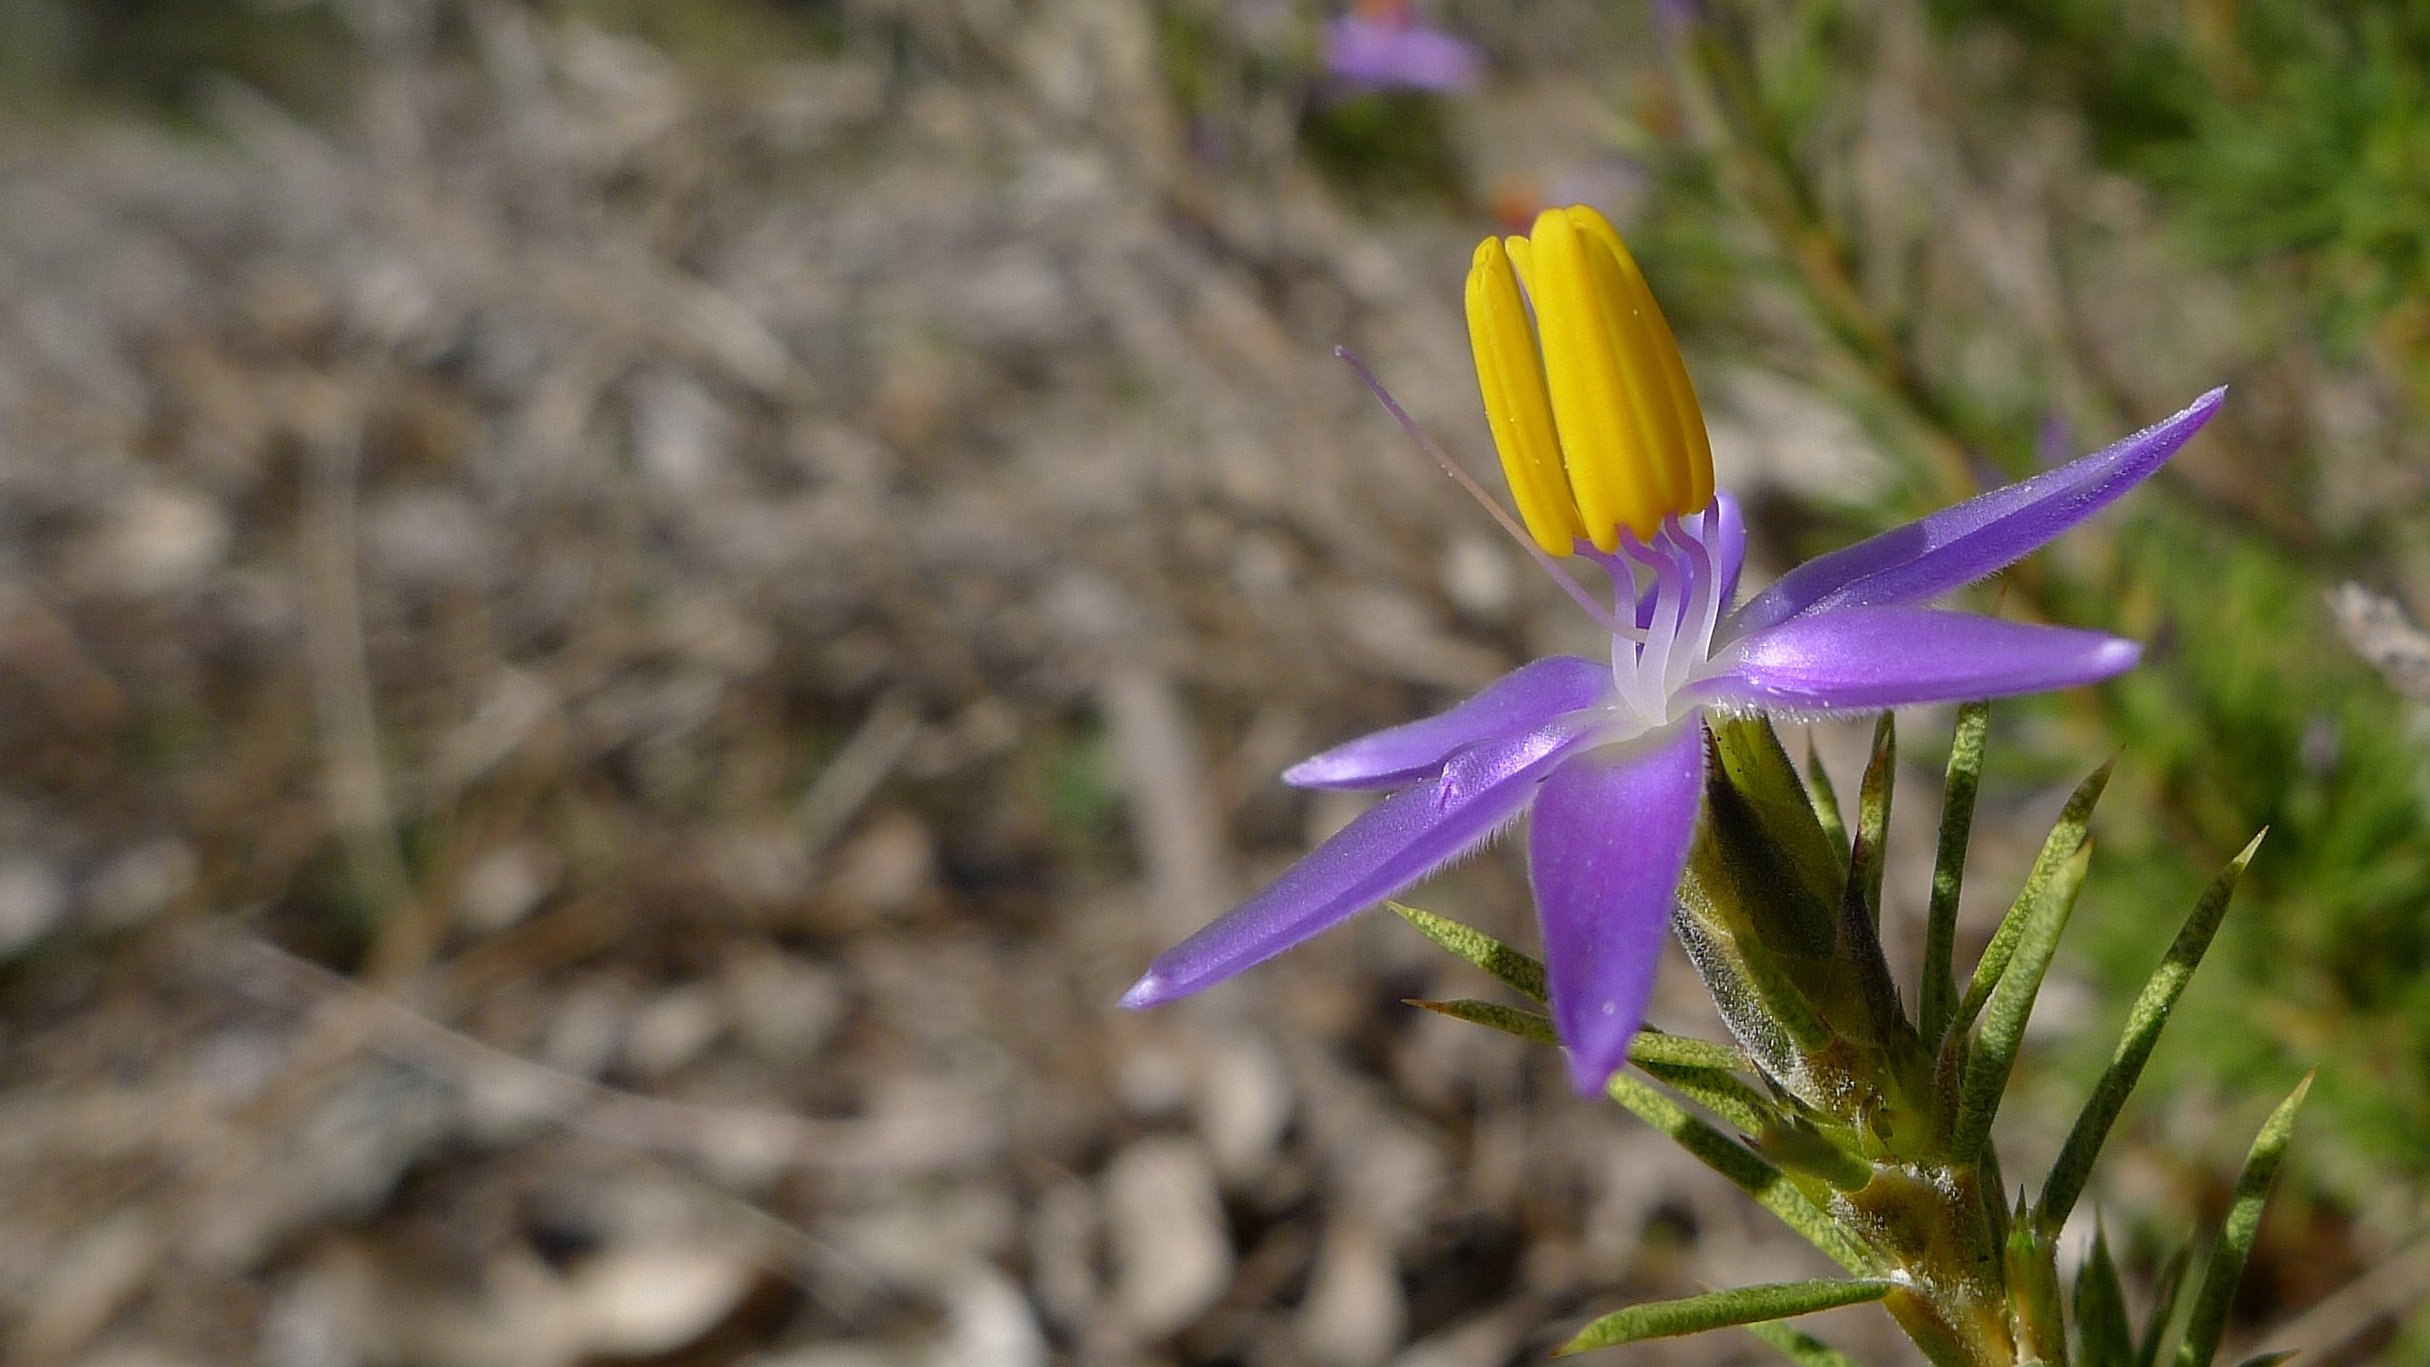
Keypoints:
(1799, 1346)
(2165, 1290)
(2064, 840)
(2102, 1336)
(1716, 1091)
(1520, 973)
(1651, 1046)
(1937, 995)
(1531, 1026)
(1748, 1170)
(2143, 1026)
(2269, 1359)
(1721, 1310)
(1826, 803)
(1995, 1048)
(1648, 1048)
(1873, 819)
(1860, 910)
(2208, 1321)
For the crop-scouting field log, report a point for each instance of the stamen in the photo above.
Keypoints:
(1510, 376)
(1609, 470)
(1669, 607)
(1644, 684)
(1703, 609)
(1476, 491)
(1668, 398)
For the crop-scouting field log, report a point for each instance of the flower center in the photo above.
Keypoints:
(1597, 425)
(1673, 589)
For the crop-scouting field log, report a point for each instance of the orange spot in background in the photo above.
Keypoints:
(1394, 12)
(1514, 202)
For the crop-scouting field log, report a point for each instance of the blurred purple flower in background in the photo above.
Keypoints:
(1382, 45)
(1604, 445)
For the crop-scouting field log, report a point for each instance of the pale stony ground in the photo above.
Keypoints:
(774, 593)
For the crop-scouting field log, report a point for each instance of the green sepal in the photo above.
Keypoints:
(2208, 1322)
(1873, 820)
(1721, 1310)
(2102, 1336)
(1860, 908)
(1826, 804)
(1799, 1346)
(2166, 1288)
(2144, 1023)
(1746, 1169)
(1519, 972)
(1936, 996)
(1786, 868)
(1757, 909)
(2059, 847)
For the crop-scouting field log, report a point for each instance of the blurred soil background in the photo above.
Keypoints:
(621, 620)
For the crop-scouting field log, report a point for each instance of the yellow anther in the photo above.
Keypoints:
(1517, 406)
(1687, 421)
(1597, 424)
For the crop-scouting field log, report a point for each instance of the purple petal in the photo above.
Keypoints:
(1523, 699)
(1390, 846)
(1866, 658)
(1961, 544)
(1408, 55)
(1604, 851)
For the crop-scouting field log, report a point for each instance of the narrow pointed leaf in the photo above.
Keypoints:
(2060, 846)
(1652, 1046)
(2269, 1359)
(2143, 1026)
(1521, 973)
(1721, 1310)
(1748, 1170)
(1716, 1091)
(1937, 994)
(1799, 1346)
(2208, 1322)
(1860, 910)
(1649, 1049)
(1826, 803)
(2102, 1336)
(1873, 819)
(2011, 1002)
(2165, 1290)
(1533, 1026)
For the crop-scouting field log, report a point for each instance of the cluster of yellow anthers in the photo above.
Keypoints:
(1591, 408)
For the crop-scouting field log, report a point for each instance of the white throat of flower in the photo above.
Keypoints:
(1669, 599)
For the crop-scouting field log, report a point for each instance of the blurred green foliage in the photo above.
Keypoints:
(2295, 132)
(2286, 145)
(57, 55)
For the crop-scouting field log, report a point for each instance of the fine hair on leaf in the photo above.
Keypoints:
(2144, 1023)
(1521, 973)
(2208, 1321)
(1722, 1310)
(1937, 994)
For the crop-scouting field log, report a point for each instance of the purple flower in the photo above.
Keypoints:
(1603, 442)
(1394, 50)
